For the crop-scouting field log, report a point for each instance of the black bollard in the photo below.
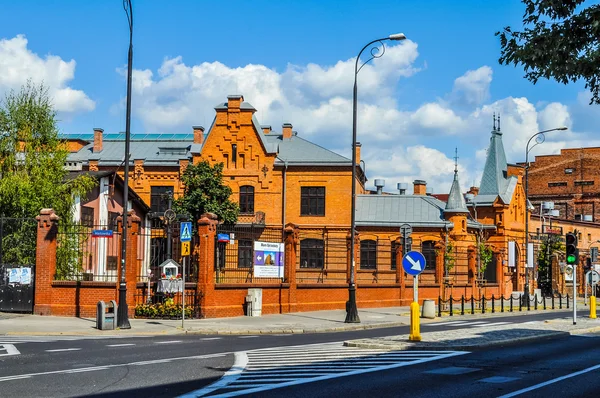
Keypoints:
(493, 309)
(462, 305)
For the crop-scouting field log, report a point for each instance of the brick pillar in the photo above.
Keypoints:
(440, 249)
(356, 255)
(291, 246)
(472, 265)
(45, 261)
(207, 229)
(399, 269)
(498, 254)
(131, 260)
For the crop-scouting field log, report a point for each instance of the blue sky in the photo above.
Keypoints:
(293, 61)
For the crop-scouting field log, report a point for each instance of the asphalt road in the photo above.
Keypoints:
(173, 365)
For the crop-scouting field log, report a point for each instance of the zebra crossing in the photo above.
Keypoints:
(271, 368)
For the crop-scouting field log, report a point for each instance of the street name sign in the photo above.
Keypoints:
(413, 263)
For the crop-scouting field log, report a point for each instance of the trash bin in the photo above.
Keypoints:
(428, 309)
(106, 315)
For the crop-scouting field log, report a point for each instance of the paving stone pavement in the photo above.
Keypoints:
(483, 336)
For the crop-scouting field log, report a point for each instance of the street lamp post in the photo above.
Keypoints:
(351, 309)
(539, 138)
(122, 317)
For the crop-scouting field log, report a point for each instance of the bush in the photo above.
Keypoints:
(166, 310)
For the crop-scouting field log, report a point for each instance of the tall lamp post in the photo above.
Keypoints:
(122, 317)
(539, 138)
(351, 309)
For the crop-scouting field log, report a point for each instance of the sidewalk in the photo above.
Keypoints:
(300, 322)
(482, 336)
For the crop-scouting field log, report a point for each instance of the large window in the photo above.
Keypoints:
(112, 220)
(368, 254)
(490, 271)
(428, 251)
(247, 199)
(159, 198)
(312, 253)
(312, 201)
(244, 253)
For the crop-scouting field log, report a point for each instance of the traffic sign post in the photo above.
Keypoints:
(414, 263)
(185, 236)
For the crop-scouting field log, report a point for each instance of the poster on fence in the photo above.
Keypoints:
(19, 275)
(268, 260)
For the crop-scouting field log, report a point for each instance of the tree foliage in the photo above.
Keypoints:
(32, 157)
(205, 192)
(559, 41)
(32, 172)
(548, 247)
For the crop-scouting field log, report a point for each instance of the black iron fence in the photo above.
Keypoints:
(471, 305)
(322, 256)
(87, 253)
(235, 252)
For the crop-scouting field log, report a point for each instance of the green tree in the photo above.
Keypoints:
(32, 173)
(560, 41)
(205, 192)
(548, 247)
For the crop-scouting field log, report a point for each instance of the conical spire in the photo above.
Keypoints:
(456, 201)
(495, 172)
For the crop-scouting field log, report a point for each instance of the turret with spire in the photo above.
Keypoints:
(456, 209)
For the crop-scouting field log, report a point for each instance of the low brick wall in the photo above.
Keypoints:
(71, 298)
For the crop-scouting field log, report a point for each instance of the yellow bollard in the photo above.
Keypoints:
(415, 332)
(593, 307)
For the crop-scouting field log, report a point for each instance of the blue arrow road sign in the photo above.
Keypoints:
(185, 234)
(413, 263)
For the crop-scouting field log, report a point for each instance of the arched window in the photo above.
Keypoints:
(247, 199)
(428, 251)
(312, 253)
(368, 254)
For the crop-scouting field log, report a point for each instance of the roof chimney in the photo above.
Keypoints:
(98, 132)
(234, 101)
(266, 129)
(402, 187)
(198, 134)
(286, 129)
(379, 184)
(358, 146)
(419, 187)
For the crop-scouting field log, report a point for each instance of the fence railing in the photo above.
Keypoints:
(151, 303)
(234, 256)
(493, 304)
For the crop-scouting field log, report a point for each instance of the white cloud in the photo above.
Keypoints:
(473, 88)
(399, 144)
(19, 64)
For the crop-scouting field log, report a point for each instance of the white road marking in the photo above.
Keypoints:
(10, 350)
(247, 337)
(472, 323)
(104, 367)
(120, 345)
(168, 342)
(552, 381)
(63, 349)
(211, 338)
(267, 369)
(492, 324)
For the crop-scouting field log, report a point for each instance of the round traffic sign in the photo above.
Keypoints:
(413, 263)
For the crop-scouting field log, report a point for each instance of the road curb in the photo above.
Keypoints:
(294, 330)
(404, 346)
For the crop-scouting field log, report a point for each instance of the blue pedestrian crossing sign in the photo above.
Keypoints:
(185, 234)
(413, 263)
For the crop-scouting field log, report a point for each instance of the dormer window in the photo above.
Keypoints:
(569, 170)
(172, 151)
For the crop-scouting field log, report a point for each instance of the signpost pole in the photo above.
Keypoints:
(414, 263)
(574, 295)
(183, 295)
